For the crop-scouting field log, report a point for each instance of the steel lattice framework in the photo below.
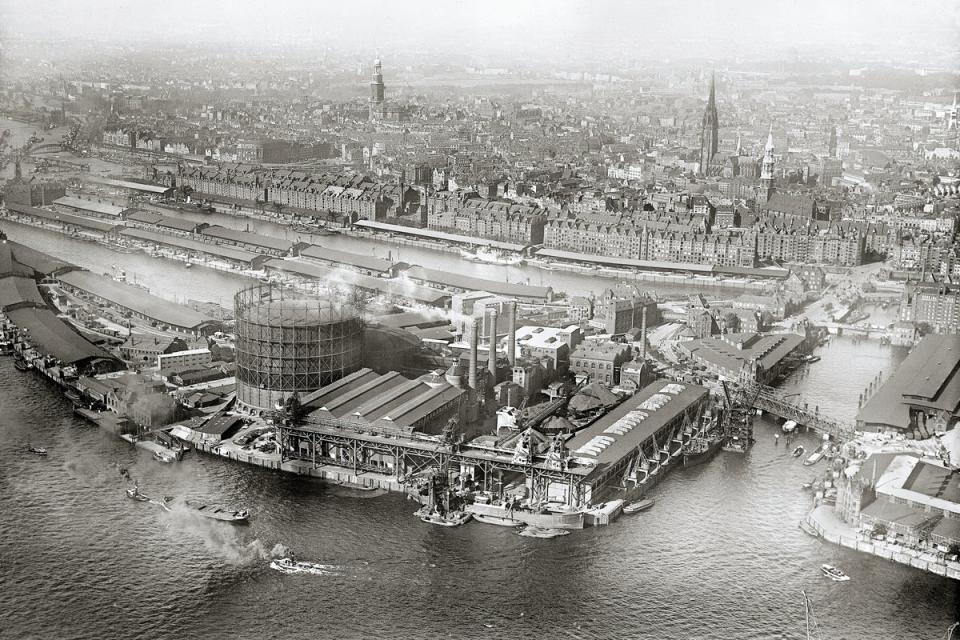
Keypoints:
(290, 344)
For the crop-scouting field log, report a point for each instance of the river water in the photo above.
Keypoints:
(719, 556)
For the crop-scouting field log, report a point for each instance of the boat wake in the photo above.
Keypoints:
(223, 542)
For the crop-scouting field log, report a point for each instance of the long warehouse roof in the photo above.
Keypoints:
(437, 235)
(136, 299)
(470, 283)
(232, 253)
(394, 287)
(65, 218)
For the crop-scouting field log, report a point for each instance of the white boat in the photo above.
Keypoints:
(291, 566)
(789, 426)
(452, 519)
(164, 456)
(815, 457)
(640, 505)
(491, 256)
(834, 573)
(542, 532)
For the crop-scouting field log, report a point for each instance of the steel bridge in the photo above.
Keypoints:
(772, 401)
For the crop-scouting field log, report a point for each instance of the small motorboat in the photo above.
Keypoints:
(289, 565)
(640, 505)
(21, 364)
(834, 573)
(531, 531)
(798, 451)
(789, 426)
(134, 494)
(806, 486)
(811, 359)
(217, 513)
(37, 451)
(451, 519)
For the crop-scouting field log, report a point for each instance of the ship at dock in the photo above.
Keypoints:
(705, 442)
(518, 513)
(487, 255)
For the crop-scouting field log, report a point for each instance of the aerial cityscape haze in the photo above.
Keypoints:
(480, 319)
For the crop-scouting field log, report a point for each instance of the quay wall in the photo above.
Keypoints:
(918, 559)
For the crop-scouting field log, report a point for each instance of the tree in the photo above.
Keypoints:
(924, 329)
(879, 529)
(732, 322)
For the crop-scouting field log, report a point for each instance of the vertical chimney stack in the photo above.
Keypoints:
(512, 332)
(492, 359)
(474, 341)
(643, 333)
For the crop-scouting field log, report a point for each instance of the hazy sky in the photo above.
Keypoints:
(638, 28)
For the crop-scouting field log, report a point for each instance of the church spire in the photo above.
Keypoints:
(767, 167)
(709, 130)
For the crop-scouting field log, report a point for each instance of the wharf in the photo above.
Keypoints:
(330, 473)
(824, 520)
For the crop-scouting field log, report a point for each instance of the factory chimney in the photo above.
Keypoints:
(512, 332)
(492, 359)
(643, 333)
(474, 340)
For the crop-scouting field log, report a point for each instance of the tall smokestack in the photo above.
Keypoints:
(643, 333)
(512, 332)
(492, 360)
(474, 341)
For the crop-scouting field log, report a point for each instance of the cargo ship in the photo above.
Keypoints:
(514, 516)
(704, 444)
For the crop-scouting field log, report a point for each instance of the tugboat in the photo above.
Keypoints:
(289, 565)
(834, 573)
(532, 531)
(640, 505)
(38, 451)
(134, 494)
(450, 519)
(216, 513)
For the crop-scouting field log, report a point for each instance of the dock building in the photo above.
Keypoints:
(744, 357)
(923, 394)
(138, 303)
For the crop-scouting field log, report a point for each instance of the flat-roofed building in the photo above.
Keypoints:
(91, 207)
(552, 343)
(185, 358)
